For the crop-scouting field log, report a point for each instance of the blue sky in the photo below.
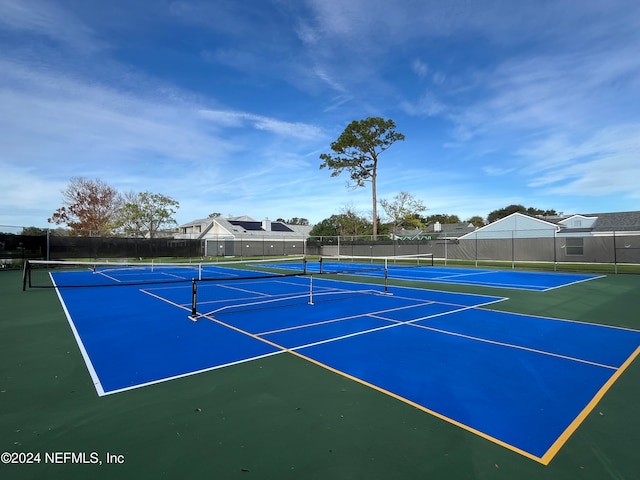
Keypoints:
(226, 105)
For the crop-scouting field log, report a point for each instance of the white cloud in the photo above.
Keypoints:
(605, 163)
(420, 68)
(46, 19)
(61, 126)
(28, 197)
(496, 171)
(229, 118)
(428, 105)
(46, 113)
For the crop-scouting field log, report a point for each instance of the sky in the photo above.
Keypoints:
(226, 106)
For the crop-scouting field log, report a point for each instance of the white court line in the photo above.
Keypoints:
(530, 288)
(244, 290)
(573, 283)
(350, 317)
(173, 275)
(580, 322)
(482, 272)
(109, 277)
(85, 355)
(384, 327)
(519, 347)
(188, 374)
(397, 323)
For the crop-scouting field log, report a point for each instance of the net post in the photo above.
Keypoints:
(311, 289)
(26, 272)
(321, 265)
(386, 280)
(194, 301)
(304, 265)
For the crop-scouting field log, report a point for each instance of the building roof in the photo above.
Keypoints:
(617, 221)
(588, 224)
(604, 222)
(244, 226)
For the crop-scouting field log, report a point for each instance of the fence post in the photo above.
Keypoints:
(476, 249)
(615, 254)
(445, 249)
(555, 250)
(513, 253)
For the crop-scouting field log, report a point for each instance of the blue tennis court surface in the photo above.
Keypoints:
(521, 280)
(520, 381)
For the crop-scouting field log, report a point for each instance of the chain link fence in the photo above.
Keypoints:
(510, 246)
(16, 247)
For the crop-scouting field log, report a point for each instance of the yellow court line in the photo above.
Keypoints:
(420, 407)
(379, 389)
(562, 439)
(545, 459)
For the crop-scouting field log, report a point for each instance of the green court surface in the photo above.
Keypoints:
(281, 416)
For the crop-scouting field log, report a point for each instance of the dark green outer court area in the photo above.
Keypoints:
(281, 417)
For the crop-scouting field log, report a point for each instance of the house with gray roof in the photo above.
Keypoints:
(520, 225)
(594, 237)
(245, 236)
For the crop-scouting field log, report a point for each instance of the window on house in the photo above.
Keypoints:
(575, 246)
(577, 223)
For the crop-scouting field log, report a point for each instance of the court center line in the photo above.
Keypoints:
(350, 317)
(109, 277)
(173, 275)
(472, 274)
(230, 287)
(503, 344)
(567, 320)
(532, 288)
(371, 330)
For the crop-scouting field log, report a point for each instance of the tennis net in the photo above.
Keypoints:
(364, 265)
(216, 298)
(70, 274)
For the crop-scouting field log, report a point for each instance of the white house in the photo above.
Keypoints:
(519, 225)
(244, 236)
(516, 225)
(599, 237)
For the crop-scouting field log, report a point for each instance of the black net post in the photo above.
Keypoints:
(386, 280)
(194, 300)
(26, 275)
